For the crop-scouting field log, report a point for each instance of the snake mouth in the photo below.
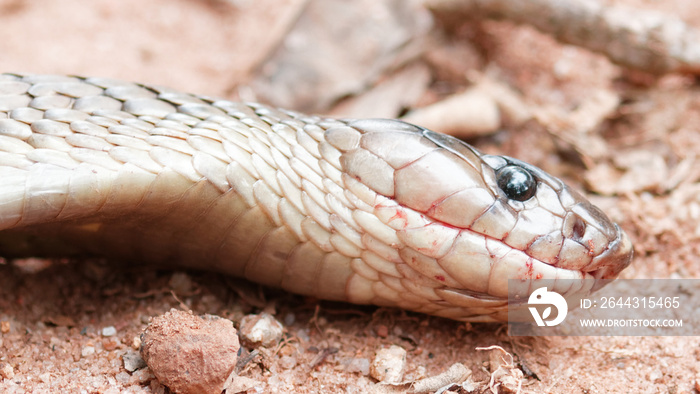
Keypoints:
(570, 282)
(614, 259)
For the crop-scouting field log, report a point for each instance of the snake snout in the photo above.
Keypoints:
(614, 259)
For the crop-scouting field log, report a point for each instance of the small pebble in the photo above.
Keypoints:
(244, 384)
(288, 362)
(110, 343)
(109, 331)
(141, 376)
(260, 330)
(389, 364)
(87, 351)
(356, 364)
(191, 354)
(122, 377)
(136, 343)
(288, 350)
(133, 361)
(6, 371)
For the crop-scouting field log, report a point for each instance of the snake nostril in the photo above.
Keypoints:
(579, 229)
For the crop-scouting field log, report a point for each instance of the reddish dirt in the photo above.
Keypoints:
(52, 321)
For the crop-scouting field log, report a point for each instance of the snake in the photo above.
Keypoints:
(365, 211)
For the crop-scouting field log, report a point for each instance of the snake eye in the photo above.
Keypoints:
(516, 182)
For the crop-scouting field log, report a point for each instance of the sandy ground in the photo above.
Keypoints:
(642, 172)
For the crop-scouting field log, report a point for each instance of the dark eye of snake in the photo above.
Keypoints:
(516, 182)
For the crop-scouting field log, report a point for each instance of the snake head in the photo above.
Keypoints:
(468, 222)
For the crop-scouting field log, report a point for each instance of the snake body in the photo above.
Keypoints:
(366, 211)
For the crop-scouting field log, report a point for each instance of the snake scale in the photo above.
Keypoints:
(367, 211)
